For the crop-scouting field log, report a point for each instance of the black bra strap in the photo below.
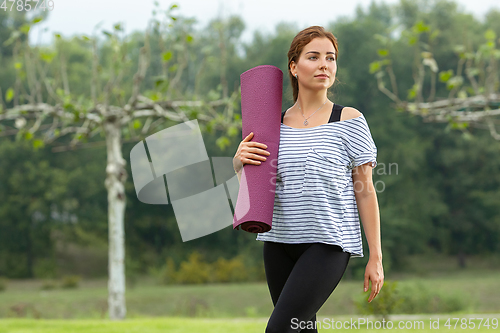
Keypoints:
(337, 110)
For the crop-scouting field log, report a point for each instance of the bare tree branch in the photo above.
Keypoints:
(64, 73)
(94, 84)
(478, 110)
(493, 131)
(139, 75)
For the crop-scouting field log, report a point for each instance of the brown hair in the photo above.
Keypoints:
(302, 39)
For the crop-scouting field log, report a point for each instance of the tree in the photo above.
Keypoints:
(474, 104)
(463, 98)
(30, 188)
(44, 101)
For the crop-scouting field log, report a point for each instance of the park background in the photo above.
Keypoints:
(440, 217)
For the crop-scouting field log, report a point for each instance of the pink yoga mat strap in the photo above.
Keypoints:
(261, 97)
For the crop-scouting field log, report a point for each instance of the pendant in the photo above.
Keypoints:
(305, 122)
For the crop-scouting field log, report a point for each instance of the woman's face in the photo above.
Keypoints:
(317, 65)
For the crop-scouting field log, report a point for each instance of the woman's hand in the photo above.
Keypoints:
(374, 272)
(248, 153)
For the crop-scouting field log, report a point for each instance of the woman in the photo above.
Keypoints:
(324, 177)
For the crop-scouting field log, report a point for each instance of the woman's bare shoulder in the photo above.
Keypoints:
(349, 113)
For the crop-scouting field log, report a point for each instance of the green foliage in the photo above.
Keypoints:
(419, 298)
(194, 270)
(137, 124)
(45, 268)
(232, 270)
(25, 28)
(70, 281)
(410, 298)
(223, 142)
(48, 285)
(232, 131)
(490, 35)
(420, 27)
(30, 188)
(37, 144)
(375, 67)
(9, 95)
(37, 19)
(384, 304)
(197, 271)
(3, 284)
(412, 92)
(47, 56)
(167, 56)
(167, 274)
(383, 52)
(444, 76)
(132, 271)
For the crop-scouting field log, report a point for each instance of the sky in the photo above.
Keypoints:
(70, 17)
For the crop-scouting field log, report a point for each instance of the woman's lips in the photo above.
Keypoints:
(322, 76)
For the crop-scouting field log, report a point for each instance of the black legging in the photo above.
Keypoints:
(300, 278)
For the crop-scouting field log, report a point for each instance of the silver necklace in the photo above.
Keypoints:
(305, 121)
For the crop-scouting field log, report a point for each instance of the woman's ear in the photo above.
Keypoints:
(293, 66)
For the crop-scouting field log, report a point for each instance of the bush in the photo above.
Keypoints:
(418, 298)
(413, 298)
(167, 274)
(48, 285)
(70, 281)
(132, 272)
(194, 271)
(384, 304)
(232, 270)
(45, 269)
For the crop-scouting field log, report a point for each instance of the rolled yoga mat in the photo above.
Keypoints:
(261, 94)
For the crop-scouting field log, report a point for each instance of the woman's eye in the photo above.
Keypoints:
(312, 57)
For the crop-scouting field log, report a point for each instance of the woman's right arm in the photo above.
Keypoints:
(248, 153)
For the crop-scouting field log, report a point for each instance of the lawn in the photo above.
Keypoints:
(241, 308)
(229, 325)
(148, 299)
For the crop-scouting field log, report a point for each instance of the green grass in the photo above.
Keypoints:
(189, 325)
(220, 300)
(241, 308)
(150, 325)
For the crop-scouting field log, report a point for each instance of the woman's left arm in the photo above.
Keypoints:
(366, 200)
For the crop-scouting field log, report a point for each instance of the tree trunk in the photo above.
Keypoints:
(115, 179)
